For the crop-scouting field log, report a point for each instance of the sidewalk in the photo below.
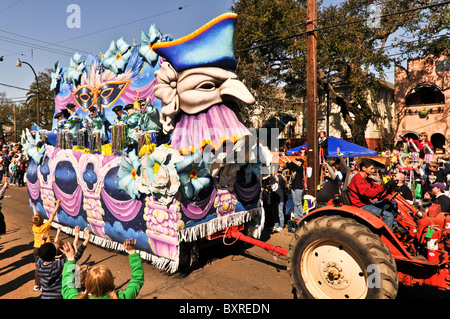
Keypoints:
(16, 247)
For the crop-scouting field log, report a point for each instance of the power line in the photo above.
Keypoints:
(386, 15)
(12, 5)
(134, 21)
(16, 87)
(343, 24)
(42, 41)
(303, 23)
(33, 46)
(57, 44)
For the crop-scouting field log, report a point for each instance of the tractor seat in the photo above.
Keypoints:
(346, 198)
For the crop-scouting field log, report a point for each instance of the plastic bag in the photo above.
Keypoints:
(418, 191)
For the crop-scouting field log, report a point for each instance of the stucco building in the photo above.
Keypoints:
(422, 100)
(330, 119)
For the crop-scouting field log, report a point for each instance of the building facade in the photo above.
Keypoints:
(422, 100)
(330, 119)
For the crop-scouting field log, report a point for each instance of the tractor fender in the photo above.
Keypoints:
(397, 249)
(346, 210)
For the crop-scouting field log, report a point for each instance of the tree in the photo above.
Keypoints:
(16, 117)
(270, 42)
(268, 68)
(361, 56)
(6, 118)
(46, 100)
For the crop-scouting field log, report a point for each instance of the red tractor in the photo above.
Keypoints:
(344, 252)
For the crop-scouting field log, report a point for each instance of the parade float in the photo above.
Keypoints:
(177, 166)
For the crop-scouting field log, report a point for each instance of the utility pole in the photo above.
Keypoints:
(19, 64)
(311, 97)
(15, 124)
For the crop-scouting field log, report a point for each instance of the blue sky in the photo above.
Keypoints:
(29, 25)
(36, 31)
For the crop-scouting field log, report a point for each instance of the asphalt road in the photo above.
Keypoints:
(224, 272)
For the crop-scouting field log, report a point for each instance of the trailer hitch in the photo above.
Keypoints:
(234, 232)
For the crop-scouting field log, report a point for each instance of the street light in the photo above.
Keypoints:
(19, 64)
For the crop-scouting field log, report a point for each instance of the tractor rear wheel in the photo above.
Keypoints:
(335, 257)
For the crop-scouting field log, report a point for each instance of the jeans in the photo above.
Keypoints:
(280, 222)
(298, 203)
(384, 207)
(13, 178)
(289, 205)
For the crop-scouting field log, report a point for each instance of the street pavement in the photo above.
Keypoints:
(223, 271)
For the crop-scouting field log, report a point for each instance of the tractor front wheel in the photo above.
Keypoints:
(335, 257)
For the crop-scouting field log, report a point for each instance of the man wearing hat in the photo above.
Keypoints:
(150, 123)
(74, 122)
(438, 190)
(133, 119)
(97, 121)
(120, 113)
(433, 174)
(297, 171)
(150, 119)
(61, 118)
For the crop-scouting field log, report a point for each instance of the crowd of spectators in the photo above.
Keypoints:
(13, 163)
(421, 176)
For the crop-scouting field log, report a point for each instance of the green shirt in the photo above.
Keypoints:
(150, 120)
(132, 122)
(69, 291)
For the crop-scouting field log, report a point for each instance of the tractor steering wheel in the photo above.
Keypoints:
(390, 188)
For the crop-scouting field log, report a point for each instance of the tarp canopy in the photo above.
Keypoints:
(347, 149)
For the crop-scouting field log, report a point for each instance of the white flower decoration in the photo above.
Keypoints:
(117, 56)
(75, 68)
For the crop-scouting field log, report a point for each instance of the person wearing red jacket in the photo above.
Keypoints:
(363, 192)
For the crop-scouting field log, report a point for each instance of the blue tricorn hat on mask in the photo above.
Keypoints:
(210, 46)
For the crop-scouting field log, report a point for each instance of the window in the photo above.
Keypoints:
(425, 94)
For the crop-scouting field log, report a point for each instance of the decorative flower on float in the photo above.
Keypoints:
(194, 175)
(55, 76)
(75, 68)
(147, 40)
(225, 201)
(34, 146)
(127, 173)
(158, 174)
(163, 219)
(117, 56)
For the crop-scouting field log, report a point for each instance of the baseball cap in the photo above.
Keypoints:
(439, 185)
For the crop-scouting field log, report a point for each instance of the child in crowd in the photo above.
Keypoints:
(41, 228)
(99, 281)
(50, 269)
(59, 242)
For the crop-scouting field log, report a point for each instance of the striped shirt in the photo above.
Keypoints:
(50, 275)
